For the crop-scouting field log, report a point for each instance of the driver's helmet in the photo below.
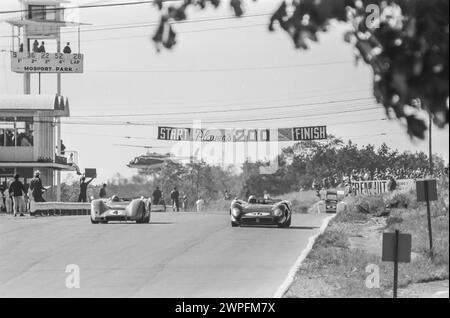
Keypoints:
(252, 199)
(115, 198)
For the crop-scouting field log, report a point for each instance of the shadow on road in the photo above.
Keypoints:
(133, 223)
(279, 228)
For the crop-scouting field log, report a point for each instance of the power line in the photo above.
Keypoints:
(88, 6)
(124, 26)
(181, 32)
(233, 69)
(229, 110)
(222, 121)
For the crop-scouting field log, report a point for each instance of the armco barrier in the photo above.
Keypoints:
(59, 208)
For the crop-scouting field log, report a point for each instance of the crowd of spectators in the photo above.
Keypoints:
(373, 175)
(8, 139)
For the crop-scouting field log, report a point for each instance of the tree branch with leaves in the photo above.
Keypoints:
(406, 43)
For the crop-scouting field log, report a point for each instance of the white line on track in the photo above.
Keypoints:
(294, 269)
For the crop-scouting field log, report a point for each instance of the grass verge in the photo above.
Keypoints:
(338, 264)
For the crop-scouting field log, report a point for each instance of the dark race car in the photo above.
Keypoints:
(331, 201)
(261, 212)
(115, 209)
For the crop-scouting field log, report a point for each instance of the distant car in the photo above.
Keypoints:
(115, 209)
(331, 201)
(261, 212)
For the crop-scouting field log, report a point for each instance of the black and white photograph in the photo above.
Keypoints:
(224, 156)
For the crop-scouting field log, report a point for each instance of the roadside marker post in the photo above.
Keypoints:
(397, 249)
(426, 192)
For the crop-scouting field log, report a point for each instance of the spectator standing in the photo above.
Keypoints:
(63, 148)
(2, 200)
(83, 189)
(37, 188)
(102, 193)
(41, 48)
(175, 196)
(67, 49)
(17, 190)
(8, 201)
(35, 46)
(184, 200)
(156, 196)
(392, 184)
(200, 204)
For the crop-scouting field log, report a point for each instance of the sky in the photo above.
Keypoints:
(222, 71)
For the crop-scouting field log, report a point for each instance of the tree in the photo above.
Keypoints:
(406, 43)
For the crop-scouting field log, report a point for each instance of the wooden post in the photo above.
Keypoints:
(430, 234)
(397, 232)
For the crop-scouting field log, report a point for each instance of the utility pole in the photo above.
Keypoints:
(430, 145)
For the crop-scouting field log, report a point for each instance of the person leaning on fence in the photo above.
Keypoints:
(36, 188)
(392, 184)
(17, 190)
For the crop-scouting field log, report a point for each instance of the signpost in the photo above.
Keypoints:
(426, 192)
(90, 173)
(397, 249)
(24, 62)
(302, 133)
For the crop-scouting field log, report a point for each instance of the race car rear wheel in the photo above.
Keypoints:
(286, 224)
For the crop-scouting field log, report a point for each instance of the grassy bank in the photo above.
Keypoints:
(336, 267)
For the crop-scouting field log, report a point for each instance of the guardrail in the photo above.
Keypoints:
(59, 208)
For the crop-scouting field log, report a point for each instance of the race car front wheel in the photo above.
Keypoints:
(94, 222)
(234, 224)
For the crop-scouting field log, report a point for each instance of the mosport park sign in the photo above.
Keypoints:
(24, 62)
(241, 135)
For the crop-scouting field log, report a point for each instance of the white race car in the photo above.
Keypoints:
(115, 209)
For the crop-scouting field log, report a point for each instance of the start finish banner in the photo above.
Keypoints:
(242, 135)
(213, 135)
(373, 187)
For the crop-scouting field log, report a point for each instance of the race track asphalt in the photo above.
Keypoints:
(176, 255)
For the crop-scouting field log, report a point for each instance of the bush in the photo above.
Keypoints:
(373, 205)
(402, 200)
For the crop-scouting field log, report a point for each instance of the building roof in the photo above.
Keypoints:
(18, 22)
(33, 103)
(47, 2)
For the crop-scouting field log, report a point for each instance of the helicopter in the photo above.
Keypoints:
(153, 160)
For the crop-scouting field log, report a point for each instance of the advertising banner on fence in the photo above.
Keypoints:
(241, 135)
(371, 187)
